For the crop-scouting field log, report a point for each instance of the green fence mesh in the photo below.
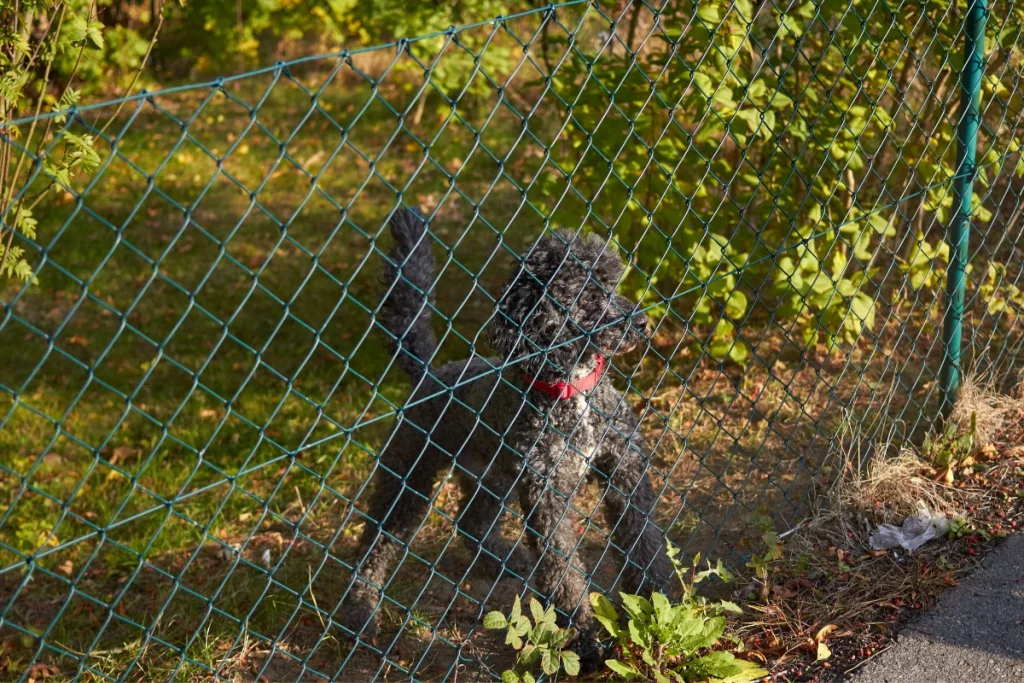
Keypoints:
(194, 388)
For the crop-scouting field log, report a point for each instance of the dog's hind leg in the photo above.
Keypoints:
(482, 511)
(401, 496)
(629, 501)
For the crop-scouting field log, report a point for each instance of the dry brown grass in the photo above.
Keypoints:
(890, 487)
(990, 410)
(828, 580)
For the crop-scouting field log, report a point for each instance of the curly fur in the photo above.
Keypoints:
(507, 442)
(406, 311)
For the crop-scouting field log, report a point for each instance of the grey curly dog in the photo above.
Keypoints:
(536, 422)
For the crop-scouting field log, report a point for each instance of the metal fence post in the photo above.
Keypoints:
(963, 193)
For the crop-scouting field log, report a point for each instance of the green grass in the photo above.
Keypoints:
(173, 408)
(234, 396)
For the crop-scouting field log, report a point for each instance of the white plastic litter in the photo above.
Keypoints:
(916, 531)
(229, 552)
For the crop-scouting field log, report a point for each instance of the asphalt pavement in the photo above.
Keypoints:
(974, 633)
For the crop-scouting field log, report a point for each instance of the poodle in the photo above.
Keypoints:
(535, 422)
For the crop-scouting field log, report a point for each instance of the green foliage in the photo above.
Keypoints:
(729, 183)
(761, 562)
(660, 641)
(948, 448)
(45, 45)
(538, 643)
(257, 31)
(927, 263)
(1001, 293)
(958, 528)
(723, 165)
(37, 35)
(673, 641)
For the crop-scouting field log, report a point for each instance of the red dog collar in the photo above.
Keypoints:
(562, 390)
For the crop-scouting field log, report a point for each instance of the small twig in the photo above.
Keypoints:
(795, 528)
(138, 72)
(9, 193)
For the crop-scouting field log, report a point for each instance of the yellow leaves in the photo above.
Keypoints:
(822, 650)
(988, 452)
(824, 632)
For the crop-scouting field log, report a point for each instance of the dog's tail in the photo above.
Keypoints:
(409, 274)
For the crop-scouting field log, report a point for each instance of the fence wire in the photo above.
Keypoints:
(196, 387)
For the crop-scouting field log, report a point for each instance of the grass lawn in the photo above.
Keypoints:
(193, 393)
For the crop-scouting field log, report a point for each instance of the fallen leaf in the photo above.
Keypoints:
(119, 453)
(823, 651)
(1015, 453)
(824, 633)
(988, 452)
(782, 592)
(67, 567)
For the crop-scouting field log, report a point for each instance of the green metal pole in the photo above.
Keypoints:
(963, 193)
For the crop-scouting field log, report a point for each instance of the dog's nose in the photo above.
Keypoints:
(641, 323)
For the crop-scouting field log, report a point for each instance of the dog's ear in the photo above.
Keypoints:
(601, 258)
(505, 330)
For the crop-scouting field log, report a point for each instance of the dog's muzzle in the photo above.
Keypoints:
(640, 324)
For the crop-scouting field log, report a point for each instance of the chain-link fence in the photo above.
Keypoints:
(198, 384)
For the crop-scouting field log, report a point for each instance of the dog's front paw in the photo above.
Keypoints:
(592, 652)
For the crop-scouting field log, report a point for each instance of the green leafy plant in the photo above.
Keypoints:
(958, 528)
(667, 641)
(43, 46)
(948, 449)
(761, 562)
(1004, 299)
(537, 642)
(926, 266)
(731, 178)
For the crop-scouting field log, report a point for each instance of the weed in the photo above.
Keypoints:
(538, 642)
(947, 450)
(761, 562)
(664, 641)
(958, 528)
